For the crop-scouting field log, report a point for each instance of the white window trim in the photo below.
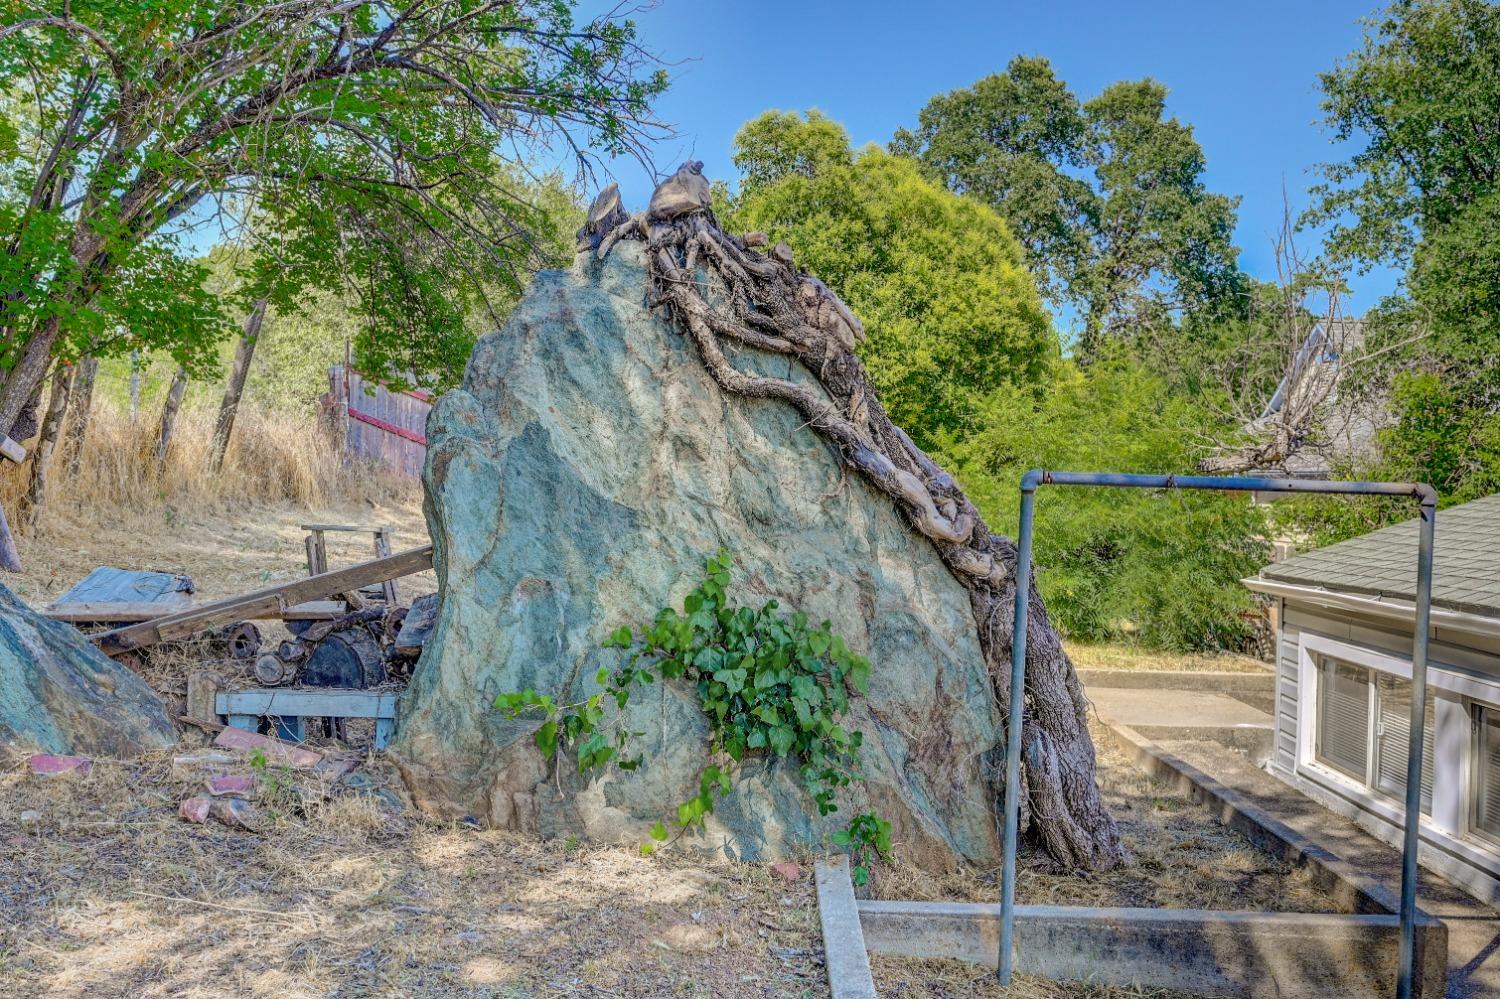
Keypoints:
(1449, 823)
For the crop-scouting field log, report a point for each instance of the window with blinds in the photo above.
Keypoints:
(1343, 727)
(1392, 738)
(1486, 797)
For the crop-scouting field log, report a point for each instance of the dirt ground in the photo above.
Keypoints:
(1089, 655)
(227, 550)
(1182, 858)
(105, 892)
(905, 978)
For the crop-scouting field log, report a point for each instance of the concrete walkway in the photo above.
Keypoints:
(1473, 927)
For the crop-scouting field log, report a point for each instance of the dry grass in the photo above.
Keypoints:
(107, 894)
(231, 533)
(1181, 858)
(1103, 655)
(913, 978)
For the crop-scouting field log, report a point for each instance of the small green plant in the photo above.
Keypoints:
(767, 681)
(276, 786)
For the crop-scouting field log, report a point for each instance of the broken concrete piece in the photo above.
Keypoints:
(195, 809)
(52, 765)
(229, 787)
(277, 752)
(236, 813)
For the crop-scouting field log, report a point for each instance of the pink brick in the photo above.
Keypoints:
(277, 752)
(787, 871)
(236, 786)
(195, 809)
(50, 765)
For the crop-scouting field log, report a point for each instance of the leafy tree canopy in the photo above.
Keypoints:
(1106, 195)
(1421, 95)
(938, 280)
(370, 146)
(1116, 563)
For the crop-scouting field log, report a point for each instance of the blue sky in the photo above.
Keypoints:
(1244, 75)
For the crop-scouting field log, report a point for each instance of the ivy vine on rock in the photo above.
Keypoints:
(768, 682)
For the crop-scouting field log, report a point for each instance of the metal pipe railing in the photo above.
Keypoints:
(1427, 499)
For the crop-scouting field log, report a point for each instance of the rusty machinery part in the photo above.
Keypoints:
(343, 652)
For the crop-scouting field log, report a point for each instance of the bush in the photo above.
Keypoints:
(1161, 569)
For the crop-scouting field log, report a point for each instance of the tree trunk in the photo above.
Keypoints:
(169, 417)
(767, 303)
(46, 445)
(82, 408)
(243, 354)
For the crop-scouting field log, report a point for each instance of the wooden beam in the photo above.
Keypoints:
(119, 612)
(274, 601)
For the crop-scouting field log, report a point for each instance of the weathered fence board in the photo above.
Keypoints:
(381, 423)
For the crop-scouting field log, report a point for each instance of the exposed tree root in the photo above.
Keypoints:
(719, 289)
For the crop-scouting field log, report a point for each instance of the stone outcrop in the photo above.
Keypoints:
(58, 694)
(576, 482)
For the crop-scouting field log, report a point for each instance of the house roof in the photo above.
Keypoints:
(1383, 563)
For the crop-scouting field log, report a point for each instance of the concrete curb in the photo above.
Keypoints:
(1241, 954)
(1159, 679)
(844, 954)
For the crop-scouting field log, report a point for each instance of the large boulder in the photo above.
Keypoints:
(577, 482)
(58, 694)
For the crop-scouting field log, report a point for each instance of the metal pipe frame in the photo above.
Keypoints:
(1427, 500)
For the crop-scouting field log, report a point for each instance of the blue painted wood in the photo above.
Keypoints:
(384, 729)
(247, 723)
(293, 729)
(305, 702)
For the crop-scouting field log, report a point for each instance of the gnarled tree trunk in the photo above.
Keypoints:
(169, 410)
(46, 445)
(721, 292)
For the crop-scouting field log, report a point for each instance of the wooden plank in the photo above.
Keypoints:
(270, 602)
(315, 610)
(307, 702)
(119, 613)
(348, 528)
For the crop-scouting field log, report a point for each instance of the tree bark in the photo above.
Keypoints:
(169, 416)
(243, 354)
(82, 409)
(46, 446)
(767, 303)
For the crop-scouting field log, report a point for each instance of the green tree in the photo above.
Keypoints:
(938, 280)
(1421, 190)
(1107, 195)
(359, 144)
(1161, 569)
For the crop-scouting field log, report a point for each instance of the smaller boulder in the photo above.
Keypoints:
(60, 695)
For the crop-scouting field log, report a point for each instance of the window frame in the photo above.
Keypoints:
(1472, 830)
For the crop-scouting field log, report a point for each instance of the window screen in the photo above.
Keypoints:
(1344, 717)
(1392, 726)
(1487, 773)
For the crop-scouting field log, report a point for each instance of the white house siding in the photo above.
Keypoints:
(1468, 661)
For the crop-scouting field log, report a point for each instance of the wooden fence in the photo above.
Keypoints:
(380, 423)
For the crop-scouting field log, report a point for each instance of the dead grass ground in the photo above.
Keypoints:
(1182, 859)
(104, 892)
(1091, 655)
(909, 978)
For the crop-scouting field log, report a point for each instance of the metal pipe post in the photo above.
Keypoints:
(1013, 731)
(1412, 840)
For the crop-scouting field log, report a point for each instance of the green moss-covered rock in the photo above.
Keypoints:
(577, 482)
(58, 694)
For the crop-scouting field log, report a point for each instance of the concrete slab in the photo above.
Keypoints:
(844, 953)
(1175, 708)
(1161, 679)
